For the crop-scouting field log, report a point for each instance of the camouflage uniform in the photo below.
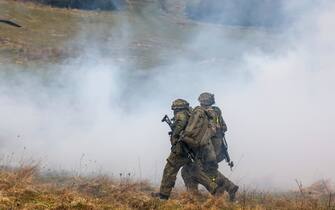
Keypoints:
(210, 165)
(189, 172)
(178, 158)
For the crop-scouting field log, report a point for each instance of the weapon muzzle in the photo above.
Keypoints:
(165, 118)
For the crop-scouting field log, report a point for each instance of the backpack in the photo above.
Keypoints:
(198, 132)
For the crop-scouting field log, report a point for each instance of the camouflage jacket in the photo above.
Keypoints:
(180, 121)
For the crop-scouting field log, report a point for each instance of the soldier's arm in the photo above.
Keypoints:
(224, 125)
(180, 124)
(222, 122)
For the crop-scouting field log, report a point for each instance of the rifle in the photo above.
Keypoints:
(184, 146)
(226, 154)
(168, 121)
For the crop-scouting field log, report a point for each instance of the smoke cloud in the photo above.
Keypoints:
(101, 112)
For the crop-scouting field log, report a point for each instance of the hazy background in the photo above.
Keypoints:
(100, 112)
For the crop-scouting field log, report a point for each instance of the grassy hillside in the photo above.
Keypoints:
(43, 35)
(142, 35)
(53, 34)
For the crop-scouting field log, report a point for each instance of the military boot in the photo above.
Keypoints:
(232, 193)
(160, 196)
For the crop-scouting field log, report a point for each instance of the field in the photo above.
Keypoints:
(50, 35)
(27, 188)
(53, 35)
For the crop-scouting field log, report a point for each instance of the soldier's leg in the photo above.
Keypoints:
(210, 167)
(187, 173)
(224, 181)
(209, 162)
(193, 174)
(205, 179)
(174, 163)
(227, 185)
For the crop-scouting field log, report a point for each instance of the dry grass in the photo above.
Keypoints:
(26, 188)
(53, 35)
(43, 36)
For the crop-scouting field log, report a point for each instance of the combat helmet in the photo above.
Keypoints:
(179, 104)
(206, 99)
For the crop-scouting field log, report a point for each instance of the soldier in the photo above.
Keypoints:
(178, 158)
(215, 147)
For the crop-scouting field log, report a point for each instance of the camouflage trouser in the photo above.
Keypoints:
(191, 182)
(175, 161)
(209, 165)
(207, 157)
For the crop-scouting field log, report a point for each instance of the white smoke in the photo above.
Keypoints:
(101, 112)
